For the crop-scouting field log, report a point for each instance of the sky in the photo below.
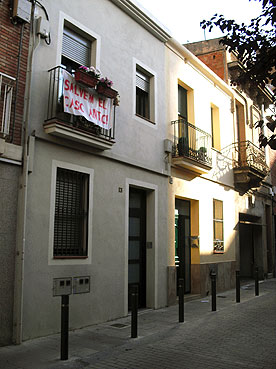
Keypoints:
(183, 17)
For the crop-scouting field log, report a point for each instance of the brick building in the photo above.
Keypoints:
(14, 39)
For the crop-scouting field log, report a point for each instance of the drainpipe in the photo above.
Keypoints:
(17, 78)
(22, 199)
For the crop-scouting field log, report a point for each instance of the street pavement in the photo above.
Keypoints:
(238, 335)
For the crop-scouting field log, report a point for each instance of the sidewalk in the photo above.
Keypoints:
(235, 336)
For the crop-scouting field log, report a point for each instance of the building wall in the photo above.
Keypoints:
(8, 204)
(13, 63)
(136, 159)
(10, 34)
(200, 190)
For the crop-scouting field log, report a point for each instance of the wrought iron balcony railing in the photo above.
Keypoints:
(246, 155)
(55, 110)
(6, 91)
(191, 142)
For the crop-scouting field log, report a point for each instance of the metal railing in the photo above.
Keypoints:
(191, 142)
(245, 154)
(55, 109)
(6, 91)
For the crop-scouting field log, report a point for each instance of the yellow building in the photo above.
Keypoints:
(218, 220)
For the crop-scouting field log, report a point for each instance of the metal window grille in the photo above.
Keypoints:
(6, 90)
(71, 214)
(218, 226)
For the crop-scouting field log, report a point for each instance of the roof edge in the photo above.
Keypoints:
(145, 20)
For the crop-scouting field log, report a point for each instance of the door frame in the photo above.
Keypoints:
(151, 238)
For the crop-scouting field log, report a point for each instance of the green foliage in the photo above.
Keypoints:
(255, 47)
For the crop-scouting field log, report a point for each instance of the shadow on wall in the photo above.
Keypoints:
(223, 166)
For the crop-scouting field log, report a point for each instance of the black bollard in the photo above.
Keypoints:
(256, 281)
(64, 327)
(238, 285)
(134, 311)
(213, 280)
(181, 299)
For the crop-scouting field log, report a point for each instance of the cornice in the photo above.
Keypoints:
(140, 16)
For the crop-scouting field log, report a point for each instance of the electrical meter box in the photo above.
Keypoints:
(81, 284)
(22, 9)
(62, 286)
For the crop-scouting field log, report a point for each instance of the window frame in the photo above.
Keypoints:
(66, 21)
(215, 127)
(71, 186)
(52, 260)
(215, 221)
(148, 72)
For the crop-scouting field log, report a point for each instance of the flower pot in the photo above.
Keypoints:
(86, 79)
(106, 91)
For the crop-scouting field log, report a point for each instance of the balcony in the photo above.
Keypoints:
(191, 147)
(75, 127)
(249, 164)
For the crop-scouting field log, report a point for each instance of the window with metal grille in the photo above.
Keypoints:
(71, 214)
(6, 90)
(142, 94)
(218, 226)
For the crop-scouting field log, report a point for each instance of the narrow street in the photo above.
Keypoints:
(235, 336)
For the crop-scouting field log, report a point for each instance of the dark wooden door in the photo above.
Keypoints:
(137, 244)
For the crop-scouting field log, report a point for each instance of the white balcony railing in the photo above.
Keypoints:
(6, 91)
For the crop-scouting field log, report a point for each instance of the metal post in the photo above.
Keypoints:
(256, 281)
(134, 311)
(238, 285)
(213, 280)
(181, 299)
(64, 327)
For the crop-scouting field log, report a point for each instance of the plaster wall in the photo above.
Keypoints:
(109, 255)
(121, 44)
(8, 204)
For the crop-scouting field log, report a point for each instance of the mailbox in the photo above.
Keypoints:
(62, 286)
(81, 284)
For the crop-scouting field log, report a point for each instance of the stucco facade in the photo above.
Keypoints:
(14, 37)
(134, 159)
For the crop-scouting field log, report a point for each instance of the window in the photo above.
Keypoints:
(76, 50)
(218, 226)
(71, 214)
(215, 126)
(142, 94)
(182, 103)
(6, 90)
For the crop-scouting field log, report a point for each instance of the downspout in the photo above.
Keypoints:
(17, 78)
(22, 199)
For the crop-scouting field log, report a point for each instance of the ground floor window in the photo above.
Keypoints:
(218, 226)
(71, 214)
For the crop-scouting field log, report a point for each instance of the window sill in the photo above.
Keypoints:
(146, 119)
(218, 252)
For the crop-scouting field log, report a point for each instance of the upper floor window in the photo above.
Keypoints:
(215, 126)
(76, 50)
(6, 90)
(145, 101)
(142, 94)
(182, 103)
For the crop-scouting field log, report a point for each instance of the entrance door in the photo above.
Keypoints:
(137, 244)
(183, 239)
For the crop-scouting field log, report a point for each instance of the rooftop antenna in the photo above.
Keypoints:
(204, 34)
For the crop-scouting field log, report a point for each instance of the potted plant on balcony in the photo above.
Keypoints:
(104, 88)
(88, 76)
